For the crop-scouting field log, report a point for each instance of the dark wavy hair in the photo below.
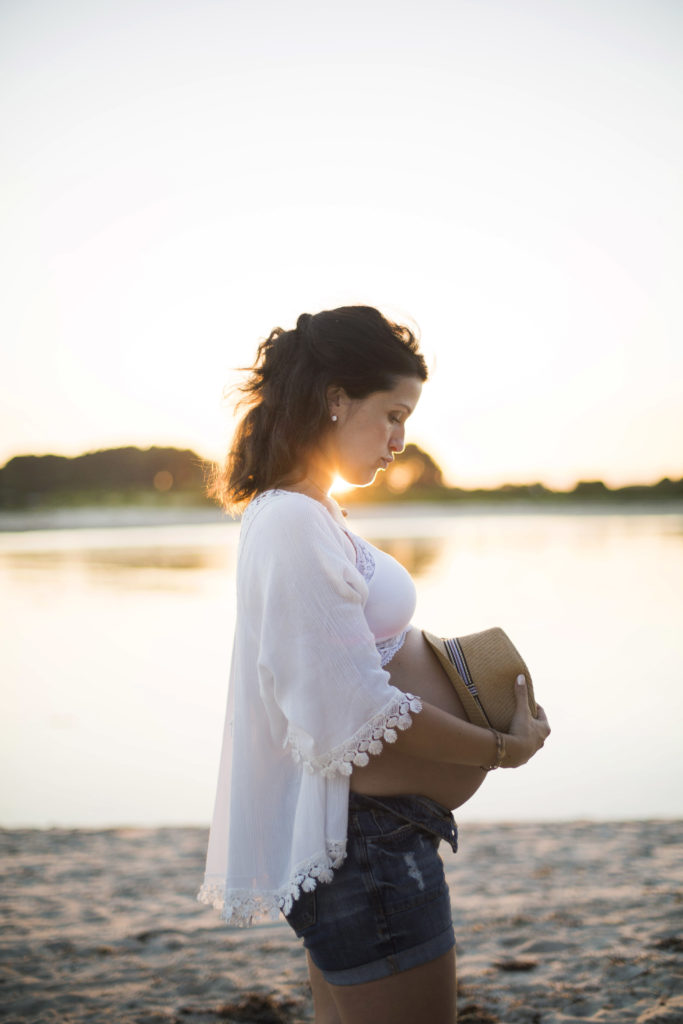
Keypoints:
(353, 347)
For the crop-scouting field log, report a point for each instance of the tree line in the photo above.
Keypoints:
(164, 475)
(109, 475)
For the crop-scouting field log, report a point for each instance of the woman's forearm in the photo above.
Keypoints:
(436, 735)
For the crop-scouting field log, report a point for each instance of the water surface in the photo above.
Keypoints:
(116, 644)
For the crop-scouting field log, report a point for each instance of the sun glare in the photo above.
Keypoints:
(340, 486)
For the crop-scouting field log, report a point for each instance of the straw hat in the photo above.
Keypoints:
(483, 668)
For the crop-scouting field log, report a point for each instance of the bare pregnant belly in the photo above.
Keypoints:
(415, 669)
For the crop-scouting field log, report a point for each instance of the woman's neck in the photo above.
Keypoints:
(315, 484)
(320, 490)
(313, 479)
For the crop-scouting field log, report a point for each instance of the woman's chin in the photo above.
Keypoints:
(359, 478)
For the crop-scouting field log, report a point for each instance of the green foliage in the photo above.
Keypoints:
(112, 476)
(171, 476)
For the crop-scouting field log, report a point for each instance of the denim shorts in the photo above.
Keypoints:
(388, 907)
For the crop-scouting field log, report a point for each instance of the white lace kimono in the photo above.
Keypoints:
(308, 700)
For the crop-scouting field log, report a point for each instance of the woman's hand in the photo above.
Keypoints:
(527, 734)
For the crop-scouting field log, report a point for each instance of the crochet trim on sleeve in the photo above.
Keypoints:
(369, 739)
(244, 907)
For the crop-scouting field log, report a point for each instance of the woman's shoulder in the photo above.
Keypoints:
(280, 504)
(280, 514)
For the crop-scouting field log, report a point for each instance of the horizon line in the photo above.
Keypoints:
(445, 486)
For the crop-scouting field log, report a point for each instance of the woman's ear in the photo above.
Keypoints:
(336, 400)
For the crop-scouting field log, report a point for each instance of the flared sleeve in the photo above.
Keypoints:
(327, 698)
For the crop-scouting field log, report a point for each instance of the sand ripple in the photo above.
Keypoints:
(556, 924)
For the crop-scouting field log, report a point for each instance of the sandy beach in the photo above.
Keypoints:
(556, 923)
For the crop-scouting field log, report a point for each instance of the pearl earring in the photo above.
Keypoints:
(334, 419)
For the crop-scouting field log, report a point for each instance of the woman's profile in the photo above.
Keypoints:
(346, 746)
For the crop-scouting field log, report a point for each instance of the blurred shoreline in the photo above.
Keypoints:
(114, 516)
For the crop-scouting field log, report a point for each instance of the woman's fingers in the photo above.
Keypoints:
(521, 696)
(531, 732)
(528, 733)
(522, 714)
(522, 701)
(543, 719)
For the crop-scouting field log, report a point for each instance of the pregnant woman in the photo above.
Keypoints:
(345, 746)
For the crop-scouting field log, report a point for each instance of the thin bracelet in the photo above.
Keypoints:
(500, 752)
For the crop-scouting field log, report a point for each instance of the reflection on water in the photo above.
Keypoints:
(119, 559)
(155, 557)
(116, 644)
(416, 554)
(157, 568)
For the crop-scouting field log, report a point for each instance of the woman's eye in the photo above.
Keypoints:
(395, 419)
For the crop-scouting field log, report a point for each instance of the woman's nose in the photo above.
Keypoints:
(397, 442)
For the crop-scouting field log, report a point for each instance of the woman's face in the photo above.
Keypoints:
(368, 432)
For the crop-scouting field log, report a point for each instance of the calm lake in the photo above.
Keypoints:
(116, 644)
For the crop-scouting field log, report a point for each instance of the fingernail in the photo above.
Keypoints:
(520, 680)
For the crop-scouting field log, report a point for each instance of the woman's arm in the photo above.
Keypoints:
(436, 735)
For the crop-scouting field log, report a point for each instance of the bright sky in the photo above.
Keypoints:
(179, 177)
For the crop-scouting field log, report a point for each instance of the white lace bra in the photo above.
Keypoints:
(391, 596)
